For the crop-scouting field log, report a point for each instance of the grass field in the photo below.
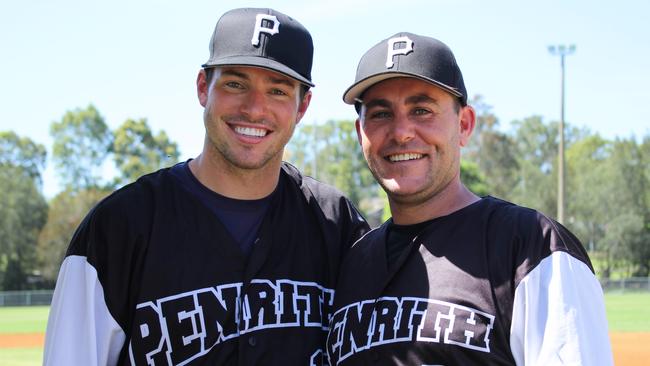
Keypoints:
(27, 319)
(626, 313)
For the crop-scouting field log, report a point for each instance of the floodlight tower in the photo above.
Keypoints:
(562, 51)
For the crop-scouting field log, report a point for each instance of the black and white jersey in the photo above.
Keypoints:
(151, 277)
(490, 284)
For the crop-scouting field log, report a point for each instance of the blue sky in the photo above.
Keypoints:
(139, 59)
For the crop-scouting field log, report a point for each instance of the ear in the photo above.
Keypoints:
(302, 107)
(202, 88)
(467, 123)
(357, 124)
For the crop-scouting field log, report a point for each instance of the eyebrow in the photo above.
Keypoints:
(415, 99)
(273, 80)
(420, 98)
(377, 103)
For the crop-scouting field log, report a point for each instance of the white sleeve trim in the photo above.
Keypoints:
(80, 329)
(558, 316)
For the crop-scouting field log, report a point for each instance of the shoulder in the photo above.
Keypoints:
(327, 197)
(531, 235)
(137, 195)
(531, 224)
(315, 187)
(126, 212)
(329, 204)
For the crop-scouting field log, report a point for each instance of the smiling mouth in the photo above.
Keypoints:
(404, 157)
(250, 131)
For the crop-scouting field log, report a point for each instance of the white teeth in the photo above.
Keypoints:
(249, 131)
(404, 157)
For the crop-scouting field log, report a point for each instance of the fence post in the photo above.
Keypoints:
(623, 285)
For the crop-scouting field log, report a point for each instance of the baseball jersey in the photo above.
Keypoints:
(151, 277)
(490, 284)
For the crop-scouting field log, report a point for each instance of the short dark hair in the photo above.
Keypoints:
(209, 71)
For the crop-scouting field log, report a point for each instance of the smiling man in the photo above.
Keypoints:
(227, 259)
(452, 278)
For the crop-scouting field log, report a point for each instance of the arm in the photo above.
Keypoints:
(80, 329)
(558, 315)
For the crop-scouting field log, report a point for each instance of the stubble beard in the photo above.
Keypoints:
(222, 150)
(435, 182)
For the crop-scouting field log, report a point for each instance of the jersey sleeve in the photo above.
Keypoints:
(559, 315)
(80, 329)
(88, 321)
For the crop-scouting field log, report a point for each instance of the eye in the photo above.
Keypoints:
(276, 91)
(421, 111)
(234, 85)
(378, 114)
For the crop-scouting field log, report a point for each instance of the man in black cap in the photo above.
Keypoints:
(452, 278)
(226, 259)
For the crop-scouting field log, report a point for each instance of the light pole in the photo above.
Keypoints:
(562, 51)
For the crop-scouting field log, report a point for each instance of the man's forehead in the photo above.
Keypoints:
(247, 72)
(406, 89)
(416, 85)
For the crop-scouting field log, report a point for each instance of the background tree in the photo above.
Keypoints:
(494, 152)
(330, 152)
(629, 206)
(22, 209)
(82, 140)
(136, 151)
(536, 150)
(588, 189)
(67, 210)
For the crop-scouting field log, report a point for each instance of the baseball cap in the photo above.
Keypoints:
(263, 38)
(408, 55)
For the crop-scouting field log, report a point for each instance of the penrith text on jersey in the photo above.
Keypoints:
(178, 329)
(366, 324)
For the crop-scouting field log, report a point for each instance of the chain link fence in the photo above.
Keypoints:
(26, 298)
(632, 284)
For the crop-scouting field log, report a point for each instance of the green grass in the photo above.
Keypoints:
(628, 312)
(23, 319)
(21, 356)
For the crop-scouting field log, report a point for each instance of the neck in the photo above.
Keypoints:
(233, 182)
(453, 198)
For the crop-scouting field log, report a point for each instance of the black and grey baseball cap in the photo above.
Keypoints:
(262, 38)
(408, 55)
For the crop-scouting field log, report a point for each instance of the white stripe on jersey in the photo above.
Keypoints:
(80, 329)
(558, 316)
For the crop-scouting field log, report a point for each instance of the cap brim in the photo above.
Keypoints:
(257, 61)
(352, 94)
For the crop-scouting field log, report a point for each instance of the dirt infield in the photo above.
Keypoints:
(630, 349)
(22, 340)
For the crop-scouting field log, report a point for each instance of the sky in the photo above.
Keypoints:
(139, 59)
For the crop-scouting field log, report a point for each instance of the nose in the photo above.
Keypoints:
(403, 129)
(254, 104)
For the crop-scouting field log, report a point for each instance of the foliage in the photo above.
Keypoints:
(473, 178)
(67, 210)
(22, 152)
(493, 152)
(82, 140)
(22, 209)
(330, 152)
(136, 151)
